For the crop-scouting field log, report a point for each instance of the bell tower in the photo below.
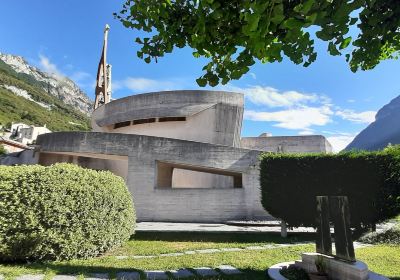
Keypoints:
(103, 80)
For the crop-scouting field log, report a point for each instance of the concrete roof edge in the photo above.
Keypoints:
(83, 133)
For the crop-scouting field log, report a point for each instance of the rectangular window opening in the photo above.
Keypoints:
(178, 176)
(122, 124)
(142, 121)
(172, 119)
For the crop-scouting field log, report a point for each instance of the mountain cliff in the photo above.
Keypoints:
(384, 130)
(61, 87)
(34, 97)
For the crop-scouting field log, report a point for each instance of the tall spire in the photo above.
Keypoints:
(103, 80)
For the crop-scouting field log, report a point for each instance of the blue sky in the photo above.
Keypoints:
(326, 98)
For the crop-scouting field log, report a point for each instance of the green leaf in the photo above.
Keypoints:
(201, 82)
(277, 19)
(311, 18)
(253, 22)
(353, 21)
(332, 49)
(307, 6)
(216, 14)
(345, 43)
(236, 75)
(323, 35)
(147, 59)
(293, 23)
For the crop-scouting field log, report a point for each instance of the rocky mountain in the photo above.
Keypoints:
(61, 87)
(33, 97)
(384, 130)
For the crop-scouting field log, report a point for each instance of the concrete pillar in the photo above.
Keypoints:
(283, 229)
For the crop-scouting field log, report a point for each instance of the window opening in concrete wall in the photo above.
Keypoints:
(122, 124)
(116, 164)
(179, 176)
(142, 121)
(172, 119)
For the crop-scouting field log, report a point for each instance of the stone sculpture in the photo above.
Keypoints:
(335, 209)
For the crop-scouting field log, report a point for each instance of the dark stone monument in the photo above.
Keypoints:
(335, 209)
(324, 264)
(323, 241)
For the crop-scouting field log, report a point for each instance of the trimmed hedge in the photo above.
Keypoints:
(371, 180)
(390, 236)
(62, 212)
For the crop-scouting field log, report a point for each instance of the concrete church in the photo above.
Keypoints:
(180, 152)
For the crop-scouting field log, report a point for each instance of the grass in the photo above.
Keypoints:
(382, 259)
(160, 243)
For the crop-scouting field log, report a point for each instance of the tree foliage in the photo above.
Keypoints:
(233, 35)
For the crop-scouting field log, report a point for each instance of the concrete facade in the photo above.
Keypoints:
(201, 116)
(180, 153)
(288, 144)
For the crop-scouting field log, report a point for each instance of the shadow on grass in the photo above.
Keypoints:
(223, 237)
(71, 269)
(87, 271)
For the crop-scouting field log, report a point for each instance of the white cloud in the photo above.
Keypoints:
(253, 75)
(272, 97)
(300, 111)
(339, 142)
(301, 118)
(80, 76)
(49, 67)
(306, 132)
(144, 84)
(361, 117)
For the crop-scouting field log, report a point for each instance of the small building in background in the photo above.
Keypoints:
(26, 134)
(16, 127)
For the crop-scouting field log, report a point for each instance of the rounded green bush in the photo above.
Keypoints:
(62, 212)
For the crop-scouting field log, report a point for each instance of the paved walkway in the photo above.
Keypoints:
(222, 250)
(213, 250)
(149, 274)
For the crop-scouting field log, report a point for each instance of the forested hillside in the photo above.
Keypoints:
(24, 99)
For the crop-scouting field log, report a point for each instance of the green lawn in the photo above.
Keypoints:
(382, 259)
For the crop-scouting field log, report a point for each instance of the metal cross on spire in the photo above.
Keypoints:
(103, 80)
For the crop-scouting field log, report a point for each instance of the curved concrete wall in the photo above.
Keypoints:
(211, 116)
